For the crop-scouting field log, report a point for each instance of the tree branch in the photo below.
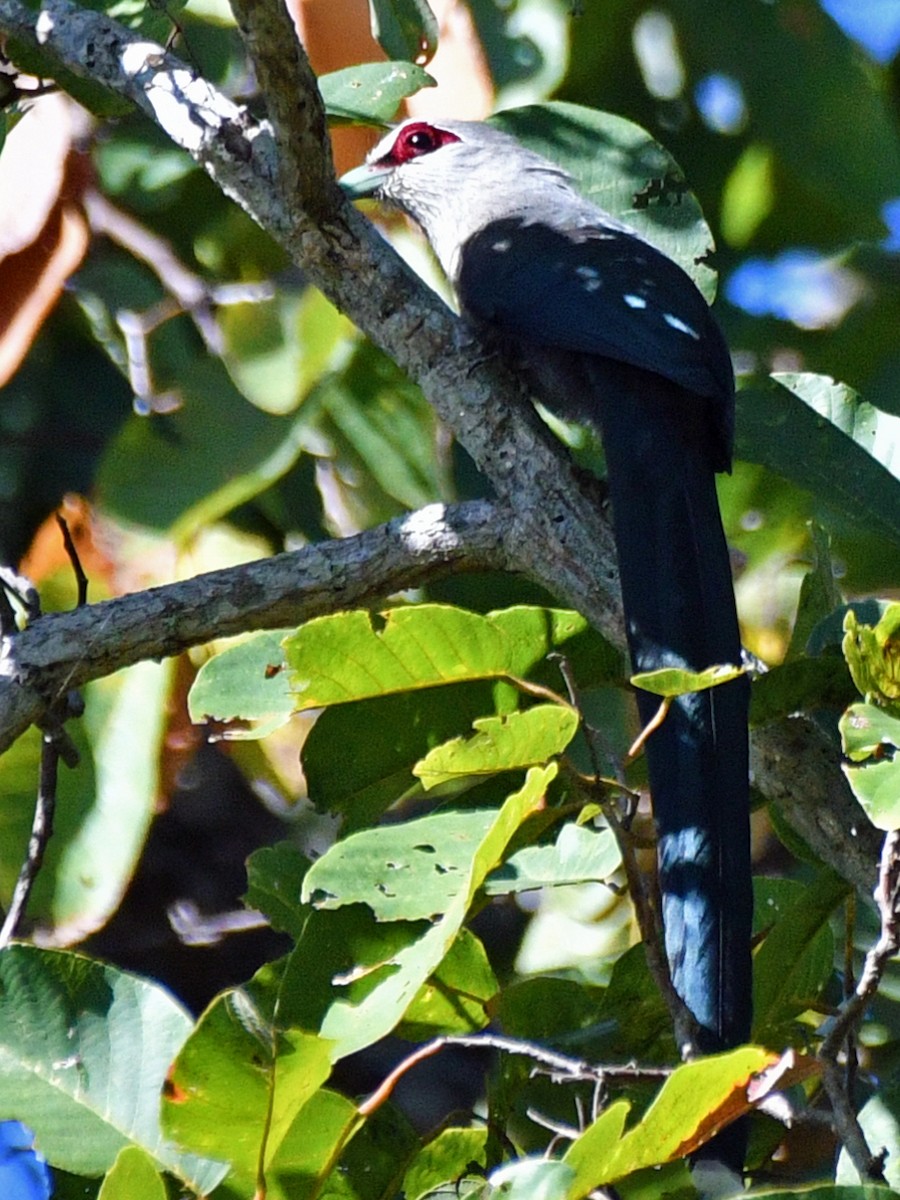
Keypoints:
(554, 526)
(61, 651)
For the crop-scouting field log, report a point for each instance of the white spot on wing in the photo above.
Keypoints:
(681, 326)
(502, 245)
(634, 301)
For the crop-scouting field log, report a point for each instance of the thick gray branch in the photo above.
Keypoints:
(554, 530)
(64, 650)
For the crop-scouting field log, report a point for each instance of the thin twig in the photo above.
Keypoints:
(558, 1066)
(887, 897)
(55, 745)
(41, 830)
(72, 551)
(186, 293)
(651, 727)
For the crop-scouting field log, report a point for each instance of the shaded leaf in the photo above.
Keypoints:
(274, 881)
(405, 29)
(801, 425)
(456, 997)
(216, 452)
(796, 958)
(444, 1159)
(401, 729)
(619, 167)
(800, 685)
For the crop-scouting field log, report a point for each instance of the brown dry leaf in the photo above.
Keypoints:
(43, 232)
(47, 554)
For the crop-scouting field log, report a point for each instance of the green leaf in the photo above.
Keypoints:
(310, 1148)
(274, 881)
(673, 681)
(104, 806)
(241, 1080)
(819, 594)
(345, 657)
(532, 1179)
(216, 452)
(545, 1008)
(873, 655)
(84, 1050)
(371, 93)
(388, 734)
(800, 426)
(796, 958)
(866, 729)
(800, 685)
(445, 1159)
(877, 788)
(618, 166)
(403, 872)
(504, 743)
(686, 1112)
(133, 1176)
(405, 29)
(380, 438)
(580, 855)
(456, 997)
(245, 682)
(867, 1191)
(278, 350)
(353, 978)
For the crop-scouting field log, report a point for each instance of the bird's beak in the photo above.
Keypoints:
(363, 181)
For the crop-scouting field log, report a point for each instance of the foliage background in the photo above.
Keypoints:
(293, 429)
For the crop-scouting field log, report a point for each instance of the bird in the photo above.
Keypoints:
(609, 331)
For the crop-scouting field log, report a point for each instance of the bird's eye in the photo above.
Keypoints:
(421, 140)
(415, 140)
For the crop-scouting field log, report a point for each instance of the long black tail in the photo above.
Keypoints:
(679, 608)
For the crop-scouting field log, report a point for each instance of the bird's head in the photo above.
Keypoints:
(453, 178)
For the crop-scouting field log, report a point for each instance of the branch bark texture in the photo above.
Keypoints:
(550, 522)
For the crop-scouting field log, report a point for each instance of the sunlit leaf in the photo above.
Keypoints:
(519, 739)
(673, 681)
(371, 93)
(697, 1099)
(85, 1049)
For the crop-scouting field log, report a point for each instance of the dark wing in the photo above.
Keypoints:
(598, 290)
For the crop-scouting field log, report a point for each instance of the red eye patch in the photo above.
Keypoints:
(415, 140)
